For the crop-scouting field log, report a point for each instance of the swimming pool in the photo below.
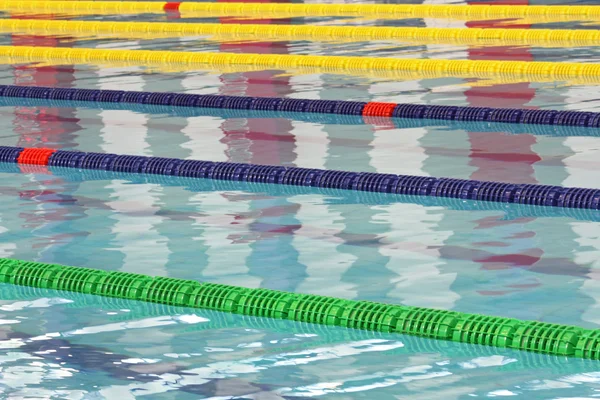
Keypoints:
(508, 260)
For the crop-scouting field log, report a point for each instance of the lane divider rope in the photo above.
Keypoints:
(327, 335)
(546, 338)
(177, 15)
(392, 68)
(324, 119)
(502, 192)
(311, 10)
(334, 196)
(146, 30)
(370, 109)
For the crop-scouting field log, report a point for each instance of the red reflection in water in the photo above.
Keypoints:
(508, 158)
(245, 140)
(250, 140)
(492, 150)
(32, 123)
(45, 127)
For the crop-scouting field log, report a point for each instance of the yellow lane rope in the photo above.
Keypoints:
(390, 67)
(188, 15)
(310, 10)
(153, 30)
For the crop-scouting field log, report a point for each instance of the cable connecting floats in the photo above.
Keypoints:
(148, 30)
(546, 338)
(501, 192)
(283, 105)
(423, 68)
(309, 10)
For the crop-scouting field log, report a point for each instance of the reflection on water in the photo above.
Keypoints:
(508, 260)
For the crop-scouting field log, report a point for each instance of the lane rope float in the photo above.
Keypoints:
(333, 64)
(392, 68)
(408, 121)
(343, 107)
(152, 30)
(334, 196)
(310, 10)
(501, 192)
(174, 15)
(546, 338)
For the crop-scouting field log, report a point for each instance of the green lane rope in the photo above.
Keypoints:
(327, 335)
(546, 338)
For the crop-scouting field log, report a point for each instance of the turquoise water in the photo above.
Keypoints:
(507, 260)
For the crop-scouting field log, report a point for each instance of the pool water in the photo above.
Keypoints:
(506, 260)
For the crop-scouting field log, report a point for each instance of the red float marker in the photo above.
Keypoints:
(35, 156)
(172, 6)
(376, 109)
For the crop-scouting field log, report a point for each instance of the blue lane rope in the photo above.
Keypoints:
(415, 111)
(325, 119)
(501, 192)
(331, 196)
